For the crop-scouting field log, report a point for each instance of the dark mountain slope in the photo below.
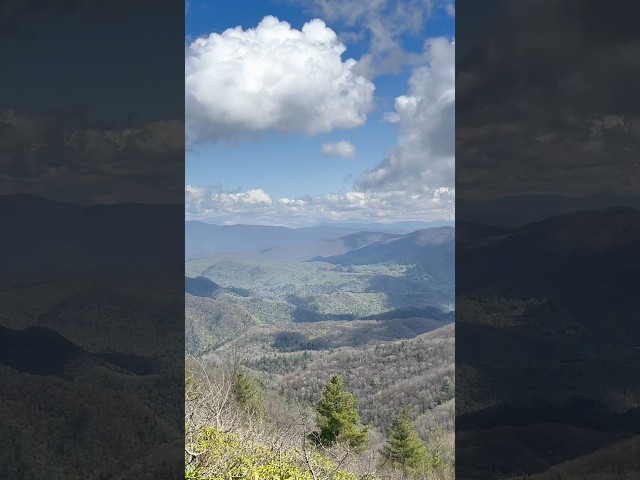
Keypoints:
(36, 350)
(417, 247)
(584, 263)
(547, 319)
(43, 234)
(41, 351)
(200, 286)
(525, 209)
(431, 249)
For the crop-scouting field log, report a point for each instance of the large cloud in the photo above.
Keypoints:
(272, 78)
(423, 160)
(385, 23)
(256, 206)
(416, 182)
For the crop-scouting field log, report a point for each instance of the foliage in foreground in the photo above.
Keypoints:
(219, 455)
(236, 429)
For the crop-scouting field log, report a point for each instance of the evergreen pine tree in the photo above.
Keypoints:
(337, 416)
(246, 395)
(404, 448)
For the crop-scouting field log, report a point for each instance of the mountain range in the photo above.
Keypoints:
(428, 247)
(546, 317)
(85, 400)
(202, 238)
(43, 234)
(585, 262)
(91, 339)
(394, 227)
(524, 209)
(335, 245)
(205, 238)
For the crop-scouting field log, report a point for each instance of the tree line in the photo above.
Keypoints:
(235, 428)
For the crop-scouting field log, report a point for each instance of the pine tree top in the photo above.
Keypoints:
(404, 447)
(337, 415)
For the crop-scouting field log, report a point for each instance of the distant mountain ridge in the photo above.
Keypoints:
(326, 244)
(202, 238)
(330, 247)
(430, 248)
(525, 209)
(206, 238)
(44, 234)
(586, 240)
(547, 317)
(400, 228)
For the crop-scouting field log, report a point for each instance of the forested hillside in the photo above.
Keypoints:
(274, 328)
(295, 292)
(386, 377)
(414, 377)
(547, 345)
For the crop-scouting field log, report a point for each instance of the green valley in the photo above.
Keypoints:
(375, 309)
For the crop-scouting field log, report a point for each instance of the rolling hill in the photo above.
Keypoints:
(45, 235)
(84, 402)
(547, 342)
(430, 249)
(584, 262)
(525, 209)
(387, 364)
(385, 376)
(203, 238)
(91, 307)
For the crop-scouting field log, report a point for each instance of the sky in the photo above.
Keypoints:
(305, 112)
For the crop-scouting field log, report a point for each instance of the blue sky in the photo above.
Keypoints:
(283, 129)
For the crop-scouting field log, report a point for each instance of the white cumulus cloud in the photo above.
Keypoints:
(256, 206)
(203, 199)
(423, 159)
(343, 148)
(451, 9)
(272, 78)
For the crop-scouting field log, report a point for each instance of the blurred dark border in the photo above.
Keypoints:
(92, 242)
(547, 239)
